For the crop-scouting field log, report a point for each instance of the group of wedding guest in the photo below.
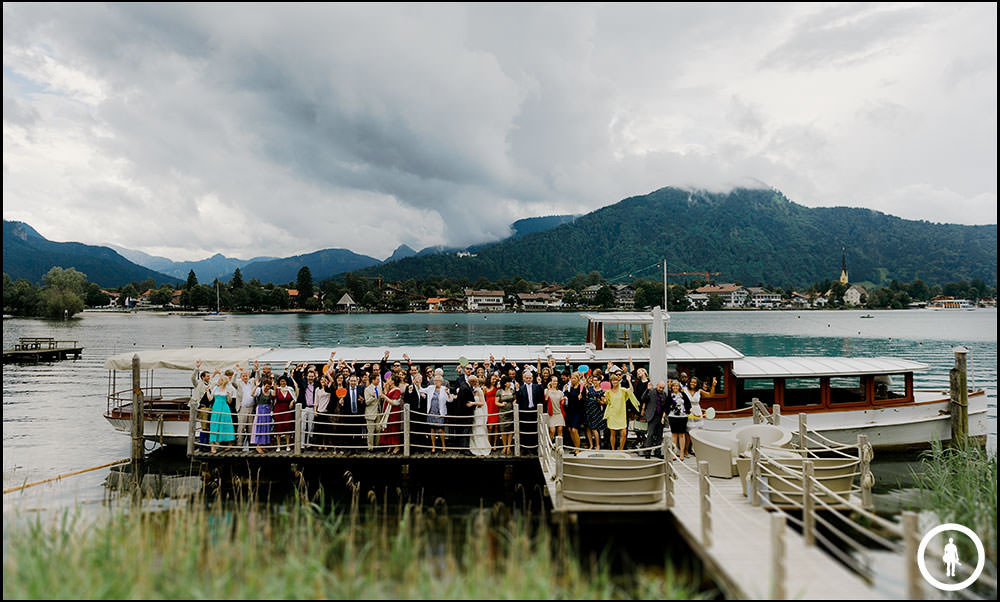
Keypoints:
(349, 408)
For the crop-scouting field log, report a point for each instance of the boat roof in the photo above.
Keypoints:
(790, 367)
(212, 358)
(624, 317)
(437, 354)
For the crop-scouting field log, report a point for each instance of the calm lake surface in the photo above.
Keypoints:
(52, 413)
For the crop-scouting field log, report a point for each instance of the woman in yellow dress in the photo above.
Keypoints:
(614, 412)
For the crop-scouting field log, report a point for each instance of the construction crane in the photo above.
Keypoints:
(705, 274)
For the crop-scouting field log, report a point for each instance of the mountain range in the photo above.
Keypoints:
(749, 235)
(29, 255)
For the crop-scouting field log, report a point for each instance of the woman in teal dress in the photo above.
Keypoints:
(221, 430)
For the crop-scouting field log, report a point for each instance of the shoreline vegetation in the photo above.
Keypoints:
(67, 292)
(240, 550)
(959, 485)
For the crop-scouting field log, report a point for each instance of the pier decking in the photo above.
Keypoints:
(41, 349)
(739, 543)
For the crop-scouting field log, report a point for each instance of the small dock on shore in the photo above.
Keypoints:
(41, 349)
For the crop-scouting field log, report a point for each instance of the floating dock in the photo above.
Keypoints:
(41, 349)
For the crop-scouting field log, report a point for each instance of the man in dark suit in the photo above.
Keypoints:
(460, 412)
(354, 412)
(655, 402)
(529, 397)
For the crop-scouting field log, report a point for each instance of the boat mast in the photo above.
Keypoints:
(665, 293)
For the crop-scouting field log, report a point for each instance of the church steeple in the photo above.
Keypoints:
(843, 265)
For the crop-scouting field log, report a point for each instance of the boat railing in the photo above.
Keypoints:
(307, 431)
(151, 393)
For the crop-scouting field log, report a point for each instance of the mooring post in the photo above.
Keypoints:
(406, 429)
(192, 417)
(705, 491)
(867, 478)
(776, 414)
(808, 504)
(802, 435)
(137, 419)
(297, 434)
(517, 430)
(755, 403)
(777, 556)
(755, 471)
(557, 503)
(959, 393)
(911, 541)
(540, 431)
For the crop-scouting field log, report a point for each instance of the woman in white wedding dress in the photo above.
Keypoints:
(479, 445)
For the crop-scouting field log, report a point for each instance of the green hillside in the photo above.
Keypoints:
(748, 235)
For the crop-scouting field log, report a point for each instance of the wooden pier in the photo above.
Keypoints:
(736, 542)
(41, 349)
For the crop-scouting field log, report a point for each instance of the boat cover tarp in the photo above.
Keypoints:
(791, 367)
(212, 358)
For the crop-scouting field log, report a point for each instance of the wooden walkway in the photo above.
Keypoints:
(41, 349)
(740, 552)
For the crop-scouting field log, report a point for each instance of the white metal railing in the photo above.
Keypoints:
(405, 431)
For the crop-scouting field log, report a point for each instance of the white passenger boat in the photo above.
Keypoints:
(844, 397)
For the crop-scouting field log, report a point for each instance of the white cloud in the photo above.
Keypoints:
(273, 130)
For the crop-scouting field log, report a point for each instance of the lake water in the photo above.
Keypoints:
(52, 413)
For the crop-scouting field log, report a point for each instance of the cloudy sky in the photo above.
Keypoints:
(188, 130)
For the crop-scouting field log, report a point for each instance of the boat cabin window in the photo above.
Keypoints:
(705, 373)
(890, 386)
(626, 335)
(803, 392)
(761, 388)
(846, 389)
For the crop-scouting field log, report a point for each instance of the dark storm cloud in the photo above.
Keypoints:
(308, 126)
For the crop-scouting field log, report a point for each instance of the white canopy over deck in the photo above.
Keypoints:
(804, 367)
(212, 358)
(440, 354)
(624, 317)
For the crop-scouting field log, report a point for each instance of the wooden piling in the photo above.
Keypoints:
(517, 430)
(138, 425)
(297, 434)
(776, 415)
(755, 471)
(406, 429)
(705, 491)
(867, 478)
(911, 542)
(778, 556)
(192, 417)
(803, 442)
(756, 410)
(808, 504)
(959, 393)
(557, 502)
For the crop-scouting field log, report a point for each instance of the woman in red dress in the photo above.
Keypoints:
(283, 416)
(492, 415)
(392, 434)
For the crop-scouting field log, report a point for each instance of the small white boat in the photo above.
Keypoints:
(217, 316)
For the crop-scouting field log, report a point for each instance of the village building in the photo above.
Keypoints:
(855, 295)
(761, 298)
(444, 304)
(346, 303)
(732, 295)
(484, 300)
(624, 295)
(534, 301)
(696, 300)
(591, 291)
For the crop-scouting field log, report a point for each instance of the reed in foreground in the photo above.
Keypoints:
(960, 485)
(300, 551)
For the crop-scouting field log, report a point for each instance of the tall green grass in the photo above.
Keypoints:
(960, 485)
(298, 550)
